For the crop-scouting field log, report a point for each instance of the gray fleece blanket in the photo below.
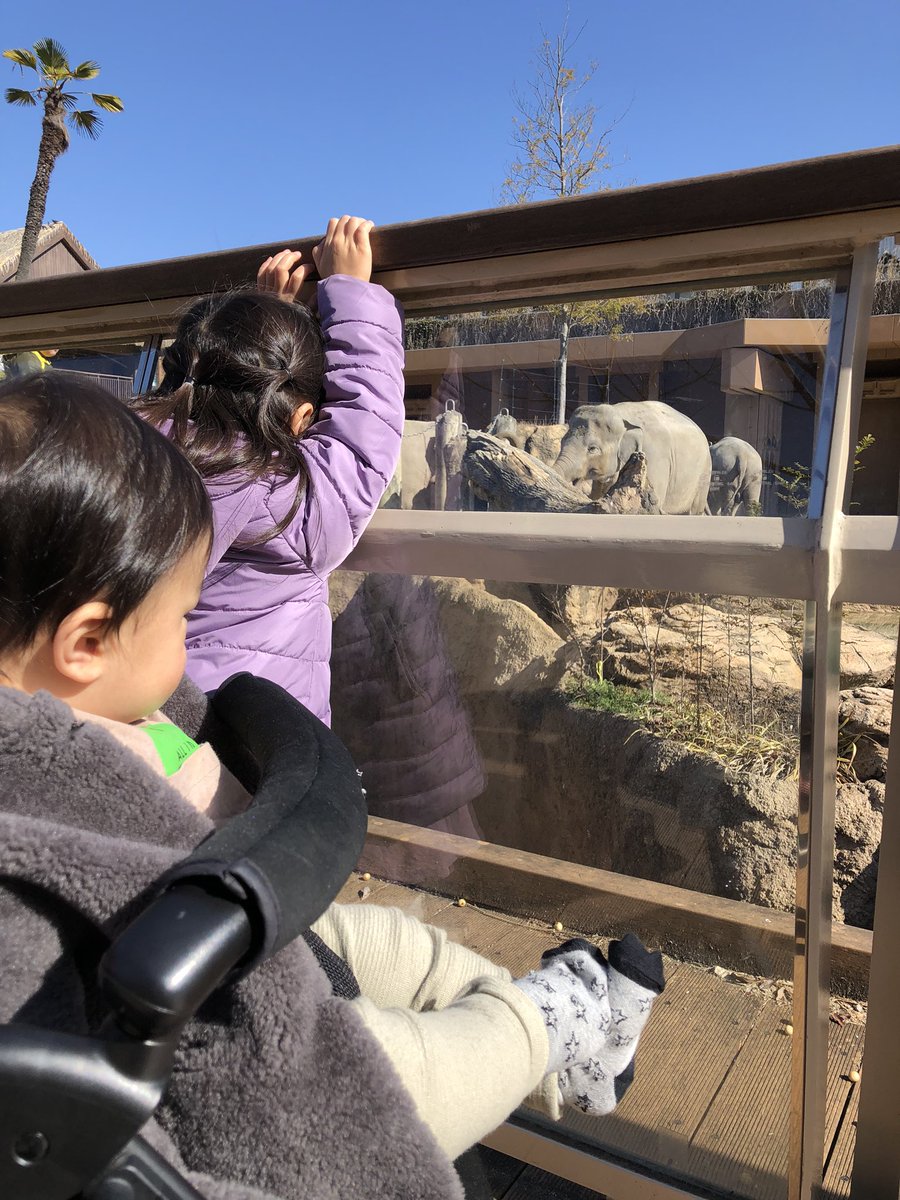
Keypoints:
(279, 1091)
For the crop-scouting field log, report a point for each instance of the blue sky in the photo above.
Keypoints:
(253, 122)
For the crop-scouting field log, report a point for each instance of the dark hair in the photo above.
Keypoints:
(239, 366)
(94, 504)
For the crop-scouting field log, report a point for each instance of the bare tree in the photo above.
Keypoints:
(560, 152)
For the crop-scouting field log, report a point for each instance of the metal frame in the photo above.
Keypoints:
(876, 1165)
(825, 559)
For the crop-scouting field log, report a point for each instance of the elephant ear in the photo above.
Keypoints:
(630, 424)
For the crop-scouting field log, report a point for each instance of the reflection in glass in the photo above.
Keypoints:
(868, 651)
(110, 366)
(722, 383)
(651, 736)
(875, 479)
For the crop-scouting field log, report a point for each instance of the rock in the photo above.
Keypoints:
(576, 610)
(870, 760)
(342, 587)
(544, 442)
(495, 643)
(867, 657)
(865, 724)
(690, 641)
(858, 814)
(867, 710)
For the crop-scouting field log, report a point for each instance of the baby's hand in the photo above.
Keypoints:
(284, 274)
(345, 249)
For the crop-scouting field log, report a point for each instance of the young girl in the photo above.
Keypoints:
(295, 424)
(104, 532)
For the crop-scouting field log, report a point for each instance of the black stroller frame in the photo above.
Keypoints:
(71, 1106)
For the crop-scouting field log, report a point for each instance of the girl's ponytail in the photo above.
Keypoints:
(239, 366)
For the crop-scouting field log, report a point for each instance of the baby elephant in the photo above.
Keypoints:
(736, 478)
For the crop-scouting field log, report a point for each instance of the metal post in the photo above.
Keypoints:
(876, 1163)
(844, 370)
(146, 368)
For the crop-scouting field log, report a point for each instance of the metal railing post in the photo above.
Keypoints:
(844, 369)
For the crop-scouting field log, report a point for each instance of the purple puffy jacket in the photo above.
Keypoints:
(264, 608)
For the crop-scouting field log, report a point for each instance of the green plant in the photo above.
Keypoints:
(793, 482)
(604, 696)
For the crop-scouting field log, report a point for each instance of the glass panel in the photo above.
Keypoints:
(653, 737)
(868, 652)
(875, 481)
(740, 366)
(111, 366)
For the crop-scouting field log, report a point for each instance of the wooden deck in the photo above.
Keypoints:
(710, 1101)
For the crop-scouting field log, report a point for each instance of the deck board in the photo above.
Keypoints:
(699, 1031)
(710, 1101)
(840, 1162)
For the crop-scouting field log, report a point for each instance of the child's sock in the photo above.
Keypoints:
(571, 991)
(594, 1012)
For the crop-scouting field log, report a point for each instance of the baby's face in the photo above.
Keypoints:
(146, 659)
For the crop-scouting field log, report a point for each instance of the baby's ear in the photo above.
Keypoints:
(81, 641)
(301, 417)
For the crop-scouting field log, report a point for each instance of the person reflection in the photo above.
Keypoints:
(396, 704)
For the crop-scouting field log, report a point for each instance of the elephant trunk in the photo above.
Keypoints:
(570, 465)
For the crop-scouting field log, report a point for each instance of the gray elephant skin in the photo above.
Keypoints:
(602, 437)
(736, 478)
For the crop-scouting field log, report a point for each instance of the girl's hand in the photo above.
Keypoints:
(345, 249)
(284, 274)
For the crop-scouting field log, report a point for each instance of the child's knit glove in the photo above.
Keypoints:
(594, 1012)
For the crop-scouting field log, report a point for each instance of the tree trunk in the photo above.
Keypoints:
(513, 481)
(54, 141)
(562, 367)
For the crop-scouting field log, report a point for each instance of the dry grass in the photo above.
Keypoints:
(700, 728)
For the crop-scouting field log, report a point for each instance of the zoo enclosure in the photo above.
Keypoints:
(817, 220)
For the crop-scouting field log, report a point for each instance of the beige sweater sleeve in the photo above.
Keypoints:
(468, 1045)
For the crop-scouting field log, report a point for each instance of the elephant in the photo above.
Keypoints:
(505, 427)
(601, 438)
(736, 478)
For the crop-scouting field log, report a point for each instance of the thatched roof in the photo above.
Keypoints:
(50, 235)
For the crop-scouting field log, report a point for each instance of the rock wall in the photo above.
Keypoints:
(593, 787)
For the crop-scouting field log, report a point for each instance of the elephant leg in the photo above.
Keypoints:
(700, 503)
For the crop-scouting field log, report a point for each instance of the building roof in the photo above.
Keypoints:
(55, 231)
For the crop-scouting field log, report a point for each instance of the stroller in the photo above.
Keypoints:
(71, 1106)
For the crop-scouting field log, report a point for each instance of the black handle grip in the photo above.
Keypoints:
(287, 856)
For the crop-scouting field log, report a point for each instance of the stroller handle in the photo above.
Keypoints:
(257, 883)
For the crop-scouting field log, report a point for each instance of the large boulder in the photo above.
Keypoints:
(691, 641)
(730, 645)
(865, 725)
(857, 831)
(497, 643)
(867, 657)
(544, 442)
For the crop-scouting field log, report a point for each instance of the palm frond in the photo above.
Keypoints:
(22, 58)
(88, 122)
(52, 57)
(107, 102)
(86, 70)
(69, 100)
(20, 96)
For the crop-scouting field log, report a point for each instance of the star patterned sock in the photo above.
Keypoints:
(594, 1012)
(571, 990)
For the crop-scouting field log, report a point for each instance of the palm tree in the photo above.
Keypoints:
(49, 61)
